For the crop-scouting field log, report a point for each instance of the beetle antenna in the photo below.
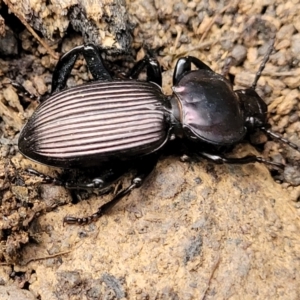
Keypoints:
(262, 65)
(278, 137)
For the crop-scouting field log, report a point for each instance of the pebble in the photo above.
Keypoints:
(8, 43)
(295, 45)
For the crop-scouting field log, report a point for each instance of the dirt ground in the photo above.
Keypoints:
(194, 230)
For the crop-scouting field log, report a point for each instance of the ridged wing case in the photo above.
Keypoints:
(96, 123)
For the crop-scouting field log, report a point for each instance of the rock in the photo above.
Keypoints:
(235, 220)
(12, 293)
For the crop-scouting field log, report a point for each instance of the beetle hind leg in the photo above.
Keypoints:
(142, 172)
(136, 182)
(95, 63)
(153, 70)
(23, 92)
(45, 178)
(66, 62)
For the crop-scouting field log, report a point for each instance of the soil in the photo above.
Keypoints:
(194, 230)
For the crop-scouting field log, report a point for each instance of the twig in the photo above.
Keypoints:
(46, 257)
(38, 258)
(214, 268)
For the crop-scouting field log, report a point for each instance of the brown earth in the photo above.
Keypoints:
(194, 230)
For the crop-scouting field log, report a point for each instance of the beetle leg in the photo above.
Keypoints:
(64, 68)
(95, 63)
(184, 65)
(67, 61)
(106, 179)
(136, 182)
(153, 70)
(23, 92)
(45, 178)
(219, 159)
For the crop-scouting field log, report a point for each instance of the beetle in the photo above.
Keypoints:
(118, 124)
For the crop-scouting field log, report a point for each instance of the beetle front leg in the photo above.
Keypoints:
(136, 182)
(219, 159)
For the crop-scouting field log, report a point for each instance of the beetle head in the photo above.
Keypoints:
(255, 109)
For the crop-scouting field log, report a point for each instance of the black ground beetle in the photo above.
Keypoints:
(120, 123)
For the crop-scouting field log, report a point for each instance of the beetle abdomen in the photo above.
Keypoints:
(96, 122)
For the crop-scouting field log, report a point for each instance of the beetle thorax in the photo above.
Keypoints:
(208, 108)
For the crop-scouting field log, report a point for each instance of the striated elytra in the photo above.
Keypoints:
(104, 121)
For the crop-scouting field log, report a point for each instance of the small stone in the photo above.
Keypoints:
(239, 53)
(8, 43)
(295, 45)
(40, 85)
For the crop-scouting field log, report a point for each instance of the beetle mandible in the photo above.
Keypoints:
(120, 123)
